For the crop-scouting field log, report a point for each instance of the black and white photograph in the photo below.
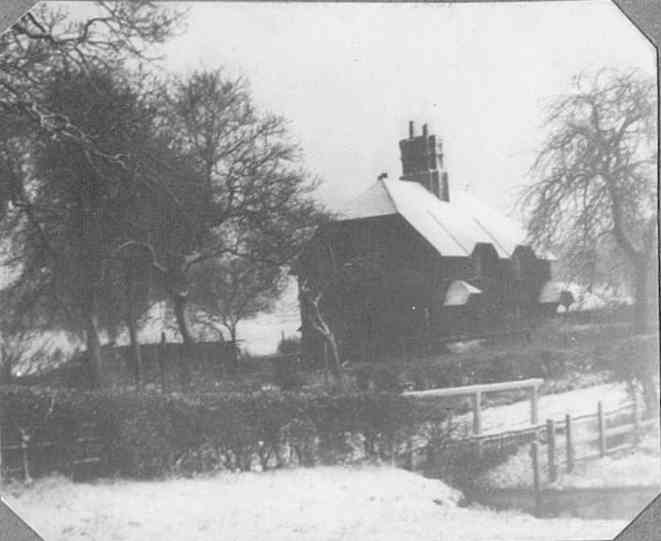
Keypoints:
(327, 271)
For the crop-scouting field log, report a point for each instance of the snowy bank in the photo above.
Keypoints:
(370, 503)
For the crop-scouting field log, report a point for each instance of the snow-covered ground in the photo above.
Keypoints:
(642, 467)
(638, 467)
(552, 406)
(374, 504)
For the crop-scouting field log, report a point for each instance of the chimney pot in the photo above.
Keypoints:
(424, 130)
(411, 129)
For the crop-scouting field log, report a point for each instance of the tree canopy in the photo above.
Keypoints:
(120, 189)
(594, 196)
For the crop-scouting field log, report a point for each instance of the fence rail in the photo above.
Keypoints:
(476, 392)
(24, 454)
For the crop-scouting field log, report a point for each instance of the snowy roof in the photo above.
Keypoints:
(453, 228)
(459, 293)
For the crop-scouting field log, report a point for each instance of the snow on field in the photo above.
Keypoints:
(637, 467)
(552, 406)
(375, 504)
(641, 468)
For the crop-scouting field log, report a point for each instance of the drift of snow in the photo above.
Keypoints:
(371, 503)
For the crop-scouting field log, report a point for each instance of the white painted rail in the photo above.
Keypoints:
(476, 391)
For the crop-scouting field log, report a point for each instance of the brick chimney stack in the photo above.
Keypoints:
(422, 162)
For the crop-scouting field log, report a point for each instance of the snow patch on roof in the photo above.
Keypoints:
(459, 293)
(374, 202)
(453, 228)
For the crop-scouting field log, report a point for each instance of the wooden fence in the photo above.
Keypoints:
(477, 391)
(623, 424)
(554, 444)
(25, 455)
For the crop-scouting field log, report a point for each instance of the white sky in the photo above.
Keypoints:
(350, 76)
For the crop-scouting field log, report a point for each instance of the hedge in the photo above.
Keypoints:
(150, 434)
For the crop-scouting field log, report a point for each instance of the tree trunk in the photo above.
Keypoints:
(136, 355)
(180, 314)
(334, 365)
(641, 296)
(94, 358)
(93, 274)
(186, 337)
(234, 352)
(312, 313)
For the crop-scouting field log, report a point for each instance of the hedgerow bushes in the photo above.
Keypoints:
(149, 434)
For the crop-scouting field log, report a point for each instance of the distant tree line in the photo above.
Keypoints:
(120, 189)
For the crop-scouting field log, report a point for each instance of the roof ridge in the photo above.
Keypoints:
(387, 190)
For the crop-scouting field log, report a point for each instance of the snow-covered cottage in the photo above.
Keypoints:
(411, 261)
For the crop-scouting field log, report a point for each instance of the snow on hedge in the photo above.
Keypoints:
(370, 503)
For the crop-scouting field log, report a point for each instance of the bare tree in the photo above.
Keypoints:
(319, 292)
(311, 296)
(46, 40)
(229, 290)
(595, 190)
(72, 217)
(42, 46)
(253, 195)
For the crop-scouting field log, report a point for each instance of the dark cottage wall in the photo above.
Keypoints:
(394, 269)
(395, 294)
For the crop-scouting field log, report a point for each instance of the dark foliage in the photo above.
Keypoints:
(148, 435)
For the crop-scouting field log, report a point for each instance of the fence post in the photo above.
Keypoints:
(477, 423)
(161, 362)
(570, 444)
(533, 405)
(409, 454)
(550, 440)
(534, 455)
(25, 439)
(602, 429)
(477, 413)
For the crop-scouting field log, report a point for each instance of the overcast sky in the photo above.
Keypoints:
(350, 76)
